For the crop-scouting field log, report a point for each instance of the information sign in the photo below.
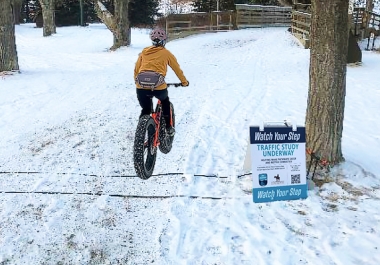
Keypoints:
(278, 163)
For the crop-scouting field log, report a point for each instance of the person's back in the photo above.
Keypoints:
(153, 61)
(157, 59)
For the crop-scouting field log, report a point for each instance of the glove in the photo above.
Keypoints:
(186, 83)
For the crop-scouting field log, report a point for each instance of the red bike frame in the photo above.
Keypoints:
(157, 120)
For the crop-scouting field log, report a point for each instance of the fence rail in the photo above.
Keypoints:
(374, 20)
(248, 16)
(245, 16)
(358, 19)
(301, 27)
(179, 25)
(363, 23)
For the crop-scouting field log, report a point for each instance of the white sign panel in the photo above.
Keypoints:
(278, 163)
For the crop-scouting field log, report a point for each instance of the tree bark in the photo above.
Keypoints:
(123, 31)
(369, 5)
(106, 17)
(118, 24)
(8, 51)
(48, 9)
(17, 5)
(367, 16)
(81, 13)
(327, 86)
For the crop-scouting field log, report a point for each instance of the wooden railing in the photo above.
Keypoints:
(301, 24)
(178, 25)
(245, 16)
(374, 20)
(358, 19)
(248, 16)
(301, 27)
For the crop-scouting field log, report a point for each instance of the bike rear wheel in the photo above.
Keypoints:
(144, 152)
(166, 141)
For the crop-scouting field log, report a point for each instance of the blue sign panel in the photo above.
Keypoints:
(278, 163)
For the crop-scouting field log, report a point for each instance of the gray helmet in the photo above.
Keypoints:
(158, 37)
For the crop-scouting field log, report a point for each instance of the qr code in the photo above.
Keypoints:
(296, 179)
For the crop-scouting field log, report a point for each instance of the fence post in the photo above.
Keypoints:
(217, 21)
(230, 23)
(210, 20)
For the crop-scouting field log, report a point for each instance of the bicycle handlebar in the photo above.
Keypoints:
(174, 84)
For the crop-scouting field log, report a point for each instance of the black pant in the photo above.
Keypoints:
(145, 99)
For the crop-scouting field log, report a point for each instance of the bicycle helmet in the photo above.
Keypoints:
(158, 37)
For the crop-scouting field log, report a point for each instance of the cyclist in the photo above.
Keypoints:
(154, 60)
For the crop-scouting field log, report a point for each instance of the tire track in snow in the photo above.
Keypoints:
(214, 148)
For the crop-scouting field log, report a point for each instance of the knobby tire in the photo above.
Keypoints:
(166, 141)
(144, 153)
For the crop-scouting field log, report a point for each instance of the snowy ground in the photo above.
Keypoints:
(69, 194)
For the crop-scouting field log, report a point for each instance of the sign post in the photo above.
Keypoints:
(278, 157)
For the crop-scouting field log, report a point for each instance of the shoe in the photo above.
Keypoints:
(170, 131)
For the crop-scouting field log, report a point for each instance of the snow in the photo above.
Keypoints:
(69, 193)
(167, 7)
(101, 6)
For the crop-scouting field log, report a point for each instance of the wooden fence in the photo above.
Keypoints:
(301, 27)
(245, 16)
(248, 16)
(374, 20)
(365, 19)
(358, 18)
(180, 25)
(371, 25)
(363, 22)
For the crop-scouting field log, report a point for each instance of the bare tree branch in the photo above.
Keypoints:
(106, 17)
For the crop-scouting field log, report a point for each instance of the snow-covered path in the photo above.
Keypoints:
(235, 98)
(69, 120)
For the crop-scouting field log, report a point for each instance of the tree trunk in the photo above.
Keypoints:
(81, 13)
(327, 86)
(106, 17)
(48, 8)
(369, 8)
(17, 5)
(8, 51)
(123, 31)
(118, 24)
(369, 5)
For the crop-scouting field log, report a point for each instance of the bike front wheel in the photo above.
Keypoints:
(144, 152)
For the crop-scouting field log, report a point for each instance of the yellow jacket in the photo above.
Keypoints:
(157, 59)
